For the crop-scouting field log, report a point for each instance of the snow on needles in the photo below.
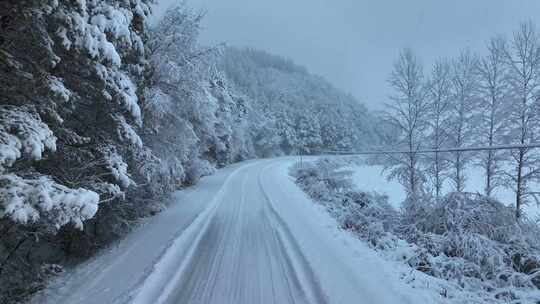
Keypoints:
(104, 32)
(57, 87)
(22, 132)
(118, 168)
(29, 200)
(126, 132)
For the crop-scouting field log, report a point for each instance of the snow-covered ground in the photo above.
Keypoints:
(372, 178)
(428, 254)
(247, 234)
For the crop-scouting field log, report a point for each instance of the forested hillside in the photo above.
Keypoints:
(296, 111)
(101, 117)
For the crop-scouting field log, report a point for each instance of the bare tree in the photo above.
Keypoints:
(439, 93)
(464, 83)
(493, 90)
(523, 59)
(407, 114)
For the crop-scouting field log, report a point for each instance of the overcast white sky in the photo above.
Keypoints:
(353, 43)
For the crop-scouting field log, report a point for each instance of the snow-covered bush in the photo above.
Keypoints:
(367, 214)
(484, 237)
(471, 241)
(197, 169)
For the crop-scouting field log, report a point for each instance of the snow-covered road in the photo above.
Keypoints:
(245, 235)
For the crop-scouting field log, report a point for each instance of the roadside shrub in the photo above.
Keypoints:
(468, 239)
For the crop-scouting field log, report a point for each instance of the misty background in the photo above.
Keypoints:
(353, 43)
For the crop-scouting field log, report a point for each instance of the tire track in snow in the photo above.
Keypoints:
(178, 253)
(239, 260)
(204, 289)
(293, 258)
(242, 254)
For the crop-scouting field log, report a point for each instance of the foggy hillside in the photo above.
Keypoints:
(306, 112)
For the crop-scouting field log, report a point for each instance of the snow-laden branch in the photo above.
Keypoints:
(22, 131)
(25, 201)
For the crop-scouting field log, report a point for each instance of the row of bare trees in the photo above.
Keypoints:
(485, 100)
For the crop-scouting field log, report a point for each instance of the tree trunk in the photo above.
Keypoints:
(519, 183)
(437, 177)
(490, 160)
(489, 173)
(459, 178)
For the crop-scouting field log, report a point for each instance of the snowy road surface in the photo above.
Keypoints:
(245, 235)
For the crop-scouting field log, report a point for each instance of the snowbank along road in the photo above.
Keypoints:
(245, 235)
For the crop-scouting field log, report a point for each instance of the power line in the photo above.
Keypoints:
(442, 150)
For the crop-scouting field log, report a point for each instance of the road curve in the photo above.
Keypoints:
(246, 235)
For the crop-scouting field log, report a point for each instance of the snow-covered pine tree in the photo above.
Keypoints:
(69, 121)
(78, 65)
(26, 195)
